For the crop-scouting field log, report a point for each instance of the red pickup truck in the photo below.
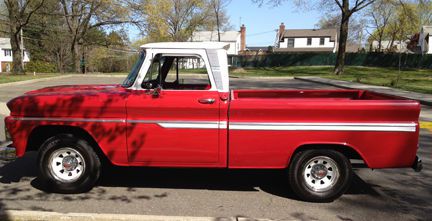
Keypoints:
(164, 116)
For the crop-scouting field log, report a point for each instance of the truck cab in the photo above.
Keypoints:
(183, 90)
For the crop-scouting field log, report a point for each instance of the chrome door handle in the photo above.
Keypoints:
(206, 100)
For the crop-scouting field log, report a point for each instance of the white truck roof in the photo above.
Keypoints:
(187, 45)
(213, 53)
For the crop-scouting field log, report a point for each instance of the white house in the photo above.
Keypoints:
(306, 40)
(386, 45)
(236, 39)
(6, 55)
(425, 40)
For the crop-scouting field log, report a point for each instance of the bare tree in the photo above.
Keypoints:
(424, 9)
(218, 6)
(83, 15)
(19, 14)
(380, 14)
(174, 20)
(356, 26)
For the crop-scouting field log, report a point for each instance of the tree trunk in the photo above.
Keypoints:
(343, 36)
(75, 58)
(380, 42)
(17, 67)
(218, 26)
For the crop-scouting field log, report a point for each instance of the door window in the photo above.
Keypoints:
(177, 73)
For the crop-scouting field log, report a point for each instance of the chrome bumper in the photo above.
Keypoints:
(417, 165)
(7, 153)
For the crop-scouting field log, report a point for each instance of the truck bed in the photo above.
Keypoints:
(312, 94)
(269, 125)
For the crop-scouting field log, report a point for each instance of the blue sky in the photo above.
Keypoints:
(266, 19)
(261, 22)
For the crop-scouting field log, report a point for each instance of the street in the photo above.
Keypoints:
(391, 194)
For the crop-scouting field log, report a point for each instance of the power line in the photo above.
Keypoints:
(261, 33)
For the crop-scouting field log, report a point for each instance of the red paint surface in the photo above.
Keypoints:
(148, 144)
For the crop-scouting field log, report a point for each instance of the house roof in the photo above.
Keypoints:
(227, 36)
(5, 43)
(258, 48)
(296, 33)
(187, 45)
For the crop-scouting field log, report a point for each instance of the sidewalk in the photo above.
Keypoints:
(425, 99)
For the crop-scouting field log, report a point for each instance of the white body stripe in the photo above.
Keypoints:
(190, 125)
(402, 127)
(391, 127)
(104, 120)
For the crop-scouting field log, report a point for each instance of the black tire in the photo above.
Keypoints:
(89, 173)
(302, 165)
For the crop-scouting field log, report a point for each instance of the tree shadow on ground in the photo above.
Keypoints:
(274, 182)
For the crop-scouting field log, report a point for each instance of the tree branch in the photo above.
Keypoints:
(339, 4)
(103, 23)
(32, 12)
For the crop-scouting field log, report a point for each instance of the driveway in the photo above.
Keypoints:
(395, 194)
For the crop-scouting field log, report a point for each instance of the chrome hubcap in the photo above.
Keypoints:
(66, 164)
(320, 173)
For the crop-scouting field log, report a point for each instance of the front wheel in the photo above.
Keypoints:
(320, 175)
(68, 164)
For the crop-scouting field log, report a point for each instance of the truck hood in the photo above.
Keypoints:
(83, 101)
(75, 88)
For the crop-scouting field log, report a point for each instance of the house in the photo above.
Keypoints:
(425, 40)
(389, 46)
(258, 50)
(236, 39)
(306, 40)
(6, 55)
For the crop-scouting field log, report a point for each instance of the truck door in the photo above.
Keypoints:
(173, 119)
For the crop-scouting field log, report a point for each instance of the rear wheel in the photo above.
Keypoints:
(320, 175)
(68, 164)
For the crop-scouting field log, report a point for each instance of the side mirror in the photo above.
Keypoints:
(148, 85)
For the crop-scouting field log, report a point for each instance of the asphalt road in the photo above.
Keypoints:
(396, 194)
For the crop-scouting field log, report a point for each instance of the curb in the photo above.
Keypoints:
(4, 110)
(60, 77)
(261, 77)
(102, 75)
(366, 87)
(34, 80)
(22, 215)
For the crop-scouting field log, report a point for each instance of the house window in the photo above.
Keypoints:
(321, 41)
(290, 42)
(309, 41)
(7, 52)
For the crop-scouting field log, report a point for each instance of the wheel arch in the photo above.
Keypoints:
(41, 133)
(347, 150)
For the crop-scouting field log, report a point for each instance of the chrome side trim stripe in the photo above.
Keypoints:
(103, 120)
(391, 127)
(185, 124)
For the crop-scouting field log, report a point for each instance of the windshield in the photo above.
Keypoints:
(130, 79)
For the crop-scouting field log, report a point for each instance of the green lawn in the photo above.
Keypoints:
(410, 79)
(7, 78)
